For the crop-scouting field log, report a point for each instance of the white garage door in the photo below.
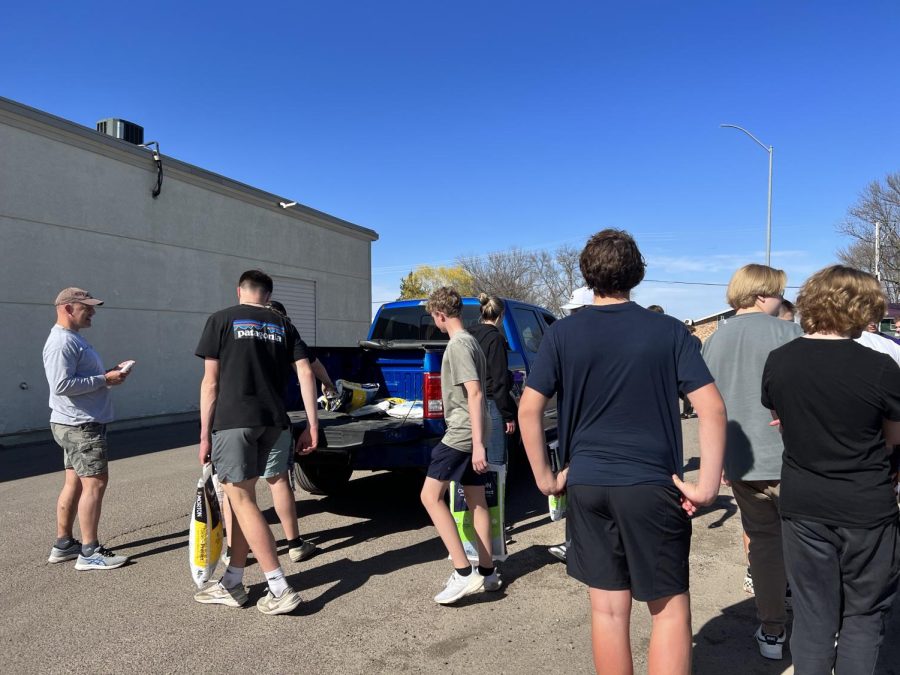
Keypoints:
(299, 299)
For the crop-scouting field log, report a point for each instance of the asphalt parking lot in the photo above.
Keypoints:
(368, 605)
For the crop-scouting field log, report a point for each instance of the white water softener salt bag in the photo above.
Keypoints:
(205, 532)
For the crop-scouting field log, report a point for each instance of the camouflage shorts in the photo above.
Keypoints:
(84, 447)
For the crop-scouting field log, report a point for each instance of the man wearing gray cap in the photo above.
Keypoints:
(80, 407)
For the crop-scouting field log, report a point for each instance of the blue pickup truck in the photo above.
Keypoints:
(402, 354)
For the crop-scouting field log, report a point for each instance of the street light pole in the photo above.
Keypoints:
(771, 150)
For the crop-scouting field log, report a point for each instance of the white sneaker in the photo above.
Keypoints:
(458, 586)
(493, 582)
(101, 559)
(559, 552)
(770, 646)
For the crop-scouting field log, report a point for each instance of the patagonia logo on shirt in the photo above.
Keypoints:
(246, 329)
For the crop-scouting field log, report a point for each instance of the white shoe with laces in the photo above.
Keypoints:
(770, 646)
(458, 586)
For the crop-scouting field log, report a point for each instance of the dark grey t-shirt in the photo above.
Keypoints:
(463, 362)
(736, 354)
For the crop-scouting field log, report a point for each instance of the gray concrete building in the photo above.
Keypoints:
(76, 210)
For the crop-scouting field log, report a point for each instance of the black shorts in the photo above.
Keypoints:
(451, 464)
(633, 537)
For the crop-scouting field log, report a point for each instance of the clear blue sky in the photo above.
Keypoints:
(462, 128)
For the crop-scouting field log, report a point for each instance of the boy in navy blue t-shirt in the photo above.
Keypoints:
(617, 370)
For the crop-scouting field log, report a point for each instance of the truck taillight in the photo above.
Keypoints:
(432, 403)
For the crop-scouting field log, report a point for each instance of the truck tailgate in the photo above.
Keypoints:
(339, 432)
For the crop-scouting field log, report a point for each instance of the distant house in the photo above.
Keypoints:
(892, 317)
(708, 325)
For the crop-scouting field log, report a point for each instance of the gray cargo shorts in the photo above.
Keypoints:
(84, 447)
(243, 453)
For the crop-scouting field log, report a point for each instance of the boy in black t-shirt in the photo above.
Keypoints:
(838, 405)
(246, 349)
(616, 369)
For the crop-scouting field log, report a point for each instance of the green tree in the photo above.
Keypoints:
(424, 279)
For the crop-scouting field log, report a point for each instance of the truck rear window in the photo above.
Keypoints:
(414, 323)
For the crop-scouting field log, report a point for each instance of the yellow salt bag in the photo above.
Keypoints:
(205, 531)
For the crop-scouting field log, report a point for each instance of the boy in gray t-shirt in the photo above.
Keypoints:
(461, 455)
(736, 354)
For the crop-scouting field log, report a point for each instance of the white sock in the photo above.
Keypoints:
(234, 576)
(277, 583)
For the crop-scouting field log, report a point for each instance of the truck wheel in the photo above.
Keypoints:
(321, 479)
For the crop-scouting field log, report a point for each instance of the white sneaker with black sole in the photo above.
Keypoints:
(770, 646)
(458, 586)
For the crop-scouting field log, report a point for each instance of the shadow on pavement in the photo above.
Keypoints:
(36, 459)
(726, 504)
(181, 541)
(726, 644)
(389, 503)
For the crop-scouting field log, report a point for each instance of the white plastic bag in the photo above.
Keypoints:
(205, 532)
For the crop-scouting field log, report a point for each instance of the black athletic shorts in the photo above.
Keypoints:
(451, 464)
(633, 537)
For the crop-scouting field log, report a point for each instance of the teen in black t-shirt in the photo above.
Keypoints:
(246, 350)
(256, 349)
(838, 404)
(832, 397)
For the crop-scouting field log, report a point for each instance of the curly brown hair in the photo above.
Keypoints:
(840, 300)
(612, 263)
(445, 300)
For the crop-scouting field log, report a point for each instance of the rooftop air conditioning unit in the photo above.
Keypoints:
(122, 129)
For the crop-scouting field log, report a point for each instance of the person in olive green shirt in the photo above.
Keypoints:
(461, 455)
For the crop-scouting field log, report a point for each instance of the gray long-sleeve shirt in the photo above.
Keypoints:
(75, 373)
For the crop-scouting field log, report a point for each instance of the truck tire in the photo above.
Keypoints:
(322, 479)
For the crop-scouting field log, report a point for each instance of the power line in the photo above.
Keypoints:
(650, 281)
(695, 283)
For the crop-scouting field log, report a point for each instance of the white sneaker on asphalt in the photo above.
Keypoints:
(102, 559)
(217, 594)
(288, 602)
(559, 552)
(770, 646)
(58, 555)
(458, 586)
(302, 552)
(493, 582)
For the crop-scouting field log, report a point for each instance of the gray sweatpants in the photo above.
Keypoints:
(843, 582)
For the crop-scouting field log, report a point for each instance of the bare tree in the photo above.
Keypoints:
(558, 273)
(879, 202)
(544, 277)
(509, 274)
